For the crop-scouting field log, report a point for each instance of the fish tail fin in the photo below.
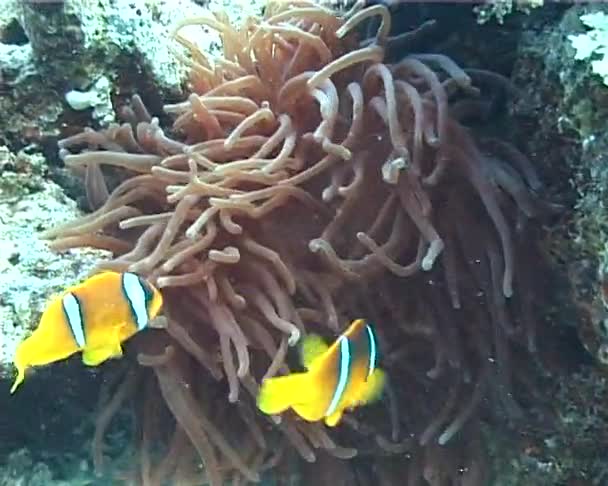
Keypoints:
(278, 394)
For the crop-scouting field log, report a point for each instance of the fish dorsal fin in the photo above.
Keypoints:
(312, 347)
(373, 387)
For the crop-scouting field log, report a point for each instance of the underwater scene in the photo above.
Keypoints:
(298, 242)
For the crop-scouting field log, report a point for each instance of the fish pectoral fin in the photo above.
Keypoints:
(280, 393)
(96, 356)
(374, 385)
(333, 419)
(312, 347)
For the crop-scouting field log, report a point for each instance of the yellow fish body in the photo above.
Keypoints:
(339, 377)
(94, 317)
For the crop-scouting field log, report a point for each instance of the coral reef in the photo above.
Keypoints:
(38, 473)
(498, 9)
(303, 183)
(594, 43)
(567, 115)
(566, 453)
(50, 49)
(561, 115)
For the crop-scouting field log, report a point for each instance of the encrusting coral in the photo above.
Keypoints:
(302, 184)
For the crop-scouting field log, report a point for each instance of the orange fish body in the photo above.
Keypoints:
(94, 317)
(339, 377)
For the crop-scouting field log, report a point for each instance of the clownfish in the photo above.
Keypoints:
(338, 377)
(94, 317)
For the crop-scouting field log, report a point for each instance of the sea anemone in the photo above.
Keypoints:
(304, 182)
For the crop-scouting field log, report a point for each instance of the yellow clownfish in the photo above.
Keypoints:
(94, 317)
(339, 377)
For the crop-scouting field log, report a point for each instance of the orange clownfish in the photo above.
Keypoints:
(339, 377)
(94, 317)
